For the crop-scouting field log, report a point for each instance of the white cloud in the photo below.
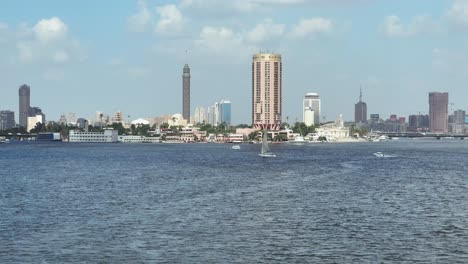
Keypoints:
(25, 53)
(449, 61)
(265, 31)
(60, 56)
(49, 30)
(421, 24)
(24, 30)
(53, 75)
(170, 19)
(116, 62)
(219, 39)
(458, 13)
(240, 6)
(45, 42)
(140, 21)
(137, 72)
(312, 26)
(4, 30)
(3, 27)
(393, 27)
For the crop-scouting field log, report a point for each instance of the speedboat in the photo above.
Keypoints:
(235, 147)
(379, 154)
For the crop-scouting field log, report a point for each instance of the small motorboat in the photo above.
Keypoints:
(235, 147)
(379, 154)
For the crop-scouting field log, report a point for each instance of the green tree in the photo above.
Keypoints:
(38, 128)
(243, 126)
(221, 127)
(300, 127)
(119, 127)
(312, 129)
(142, 130)
(280, 137)
(253, 135)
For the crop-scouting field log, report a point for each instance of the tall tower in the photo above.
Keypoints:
(186, 93)
(311, 108)
(438, 112)
(24, 104)
(266, 91)
(225, 112)
(360, 110)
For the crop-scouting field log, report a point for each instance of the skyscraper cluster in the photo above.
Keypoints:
(217, 114)
(266, 107)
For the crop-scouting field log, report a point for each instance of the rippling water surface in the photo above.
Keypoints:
(206, 203)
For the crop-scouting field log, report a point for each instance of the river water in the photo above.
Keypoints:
(207, 203)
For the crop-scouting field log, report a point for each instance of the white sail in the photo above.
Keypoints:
(265, 149)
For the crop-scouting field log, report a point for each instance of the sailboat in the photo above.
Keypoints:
(266, 153)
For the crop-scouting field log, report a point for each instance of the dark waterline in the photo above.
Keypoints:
(206, 203)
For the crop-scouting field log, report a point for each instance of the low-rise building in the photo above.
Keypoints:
(333, 131)
(236, 138)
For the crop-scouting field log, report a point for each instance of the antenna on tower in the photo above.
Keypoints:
(360, 93)
(186, 56)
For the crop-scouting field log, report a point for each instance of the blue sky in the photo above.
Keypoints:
(86, 56)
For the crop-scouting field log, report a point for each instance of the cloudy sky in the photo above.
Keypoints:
(86, 56)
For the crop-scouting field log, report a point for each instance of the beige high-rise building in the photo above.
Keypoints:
(266, 91)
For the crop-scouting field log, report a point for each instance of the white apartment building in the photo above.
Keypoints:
(33, 120)
(309, 116)
(312, 103)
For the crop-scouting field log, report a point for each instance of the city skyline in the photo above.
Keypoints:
(81, 66)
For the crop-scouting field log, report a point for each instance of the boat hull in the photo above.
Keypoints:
(267, 155)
